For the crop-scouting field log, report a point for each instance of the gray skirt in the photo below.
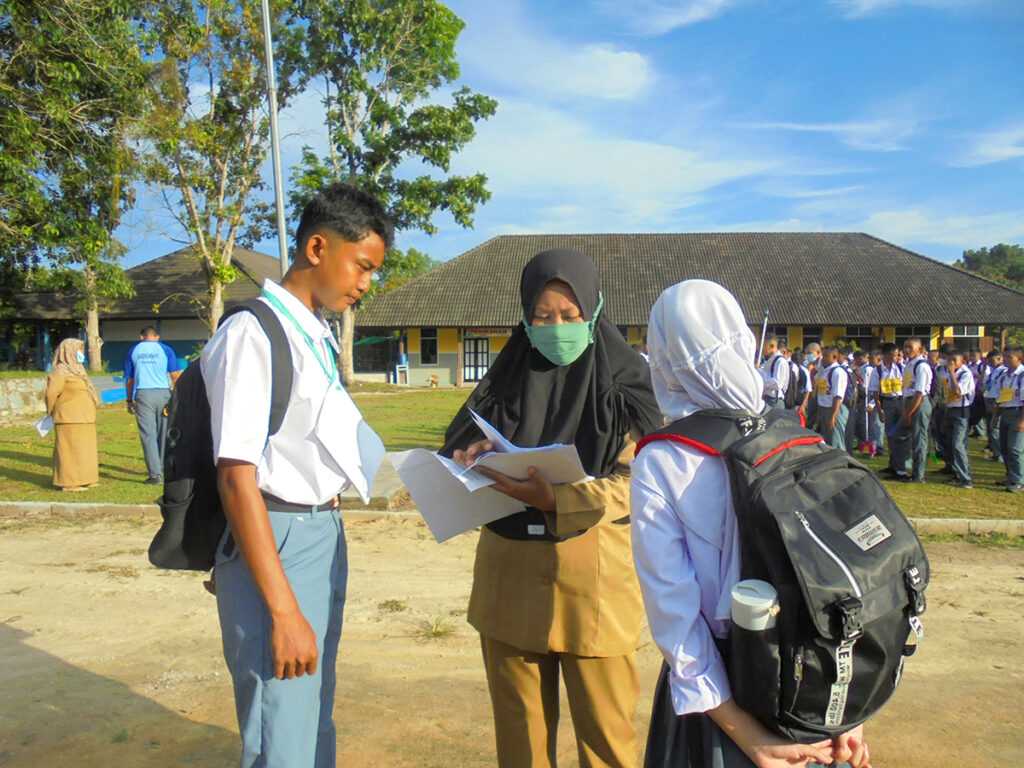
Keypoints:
(688, 741)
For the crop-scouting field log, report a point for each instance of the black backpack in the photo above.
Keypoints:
(849, 571)
(935, 392)
(193, 518)
(850, 395)
(797, 386)
(793, 391)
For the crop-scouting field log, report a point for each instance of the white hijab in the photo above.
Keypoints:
(702, 351)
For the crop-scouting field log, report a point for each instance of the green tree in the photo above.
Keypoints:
(72, 79)
(1004, 264)
(209, 127)
(380, 64)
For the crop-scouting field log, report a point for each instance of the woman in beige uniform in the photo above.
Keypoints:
(555, 593)
(71, 399)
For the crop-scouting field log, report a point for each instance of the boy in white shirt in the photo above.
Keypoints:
(281, 567)
(830, 385)
(1010, 405)
(958, 386)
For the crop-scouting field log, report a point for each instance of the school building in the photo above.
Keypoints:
(170, 295)
(451, 322)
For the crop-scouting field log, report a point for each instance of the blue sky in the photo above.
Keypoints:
(900, 118)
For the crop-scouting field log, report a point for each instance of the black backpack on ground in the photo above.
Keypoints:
(193, 518)
(849, 571)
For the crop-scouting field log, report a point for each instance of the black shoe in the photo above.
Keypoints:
(946, 471)
(1015, 488)
(158, 480)
(909, 479)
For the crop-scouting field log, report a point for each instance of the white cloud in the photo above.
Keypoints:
(525, 57)
(860, 8)
(565, 175)
(881, 134)
(994, 147)
(658, 18)
(943, 227)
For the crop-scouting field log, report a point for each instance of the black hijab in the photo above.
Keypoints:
(589, 403)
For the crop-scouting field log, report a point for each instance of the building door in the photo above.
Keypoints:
(476, 358)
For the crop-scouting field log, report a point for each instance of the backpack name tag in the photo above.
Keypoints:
(868, 533)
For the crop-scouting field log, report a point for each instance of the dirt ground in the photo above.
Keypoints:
(109, 663)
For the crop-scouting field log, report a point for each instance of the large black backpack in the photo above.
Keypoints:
(193, 518)
(936, 395)
(849, 571)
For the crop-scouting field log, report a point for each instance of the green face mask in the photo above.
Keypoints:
(563, 343)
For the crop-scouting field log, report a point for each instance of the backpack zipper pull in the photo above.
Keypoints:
(798, 665)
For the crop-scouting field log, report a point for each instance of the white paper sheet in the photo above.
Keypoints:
(443, 498)
(454, 499)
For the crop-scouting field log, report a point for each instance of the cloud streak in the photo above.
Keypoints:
(879, 135)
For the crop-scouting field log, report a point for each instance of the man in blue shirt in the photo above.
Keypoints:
(147, 367)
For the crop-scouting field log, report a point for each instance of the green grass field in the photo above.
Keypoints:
(410, 418)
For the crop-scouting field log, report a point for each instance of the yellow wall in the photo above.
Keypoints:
(447, 340)
(413, 335)
(796, 336)
(936, 337)
(497, 343)
(830, 333)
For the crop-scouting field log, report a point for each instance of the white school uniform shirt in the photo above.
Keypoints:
(291, 465)
(686, 548)
(895, 372)
(775, 371)
(917, 376)
(836, 382)
(994, 381)
(870, 375)
(1014, 379)
(965, 381)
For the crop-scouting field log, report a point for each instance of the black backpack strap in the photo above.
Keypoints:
(710, 431)
(280, 357)
(717, 432)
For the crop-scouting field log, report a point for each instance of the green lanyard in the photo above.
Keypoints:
(332, 371)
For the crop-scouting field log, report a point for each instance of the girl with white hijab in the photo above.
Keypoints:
(686, 544)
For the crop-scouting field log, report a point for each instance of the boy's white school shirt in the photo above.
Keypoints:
(236, 364)
(687, 554)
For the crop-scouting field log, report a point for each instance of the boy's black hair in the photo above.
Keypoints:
(770, 337)
(993, 354)
(346, 210)
(948, 349)
(149, 330)
(1014, 349)
(888, 348)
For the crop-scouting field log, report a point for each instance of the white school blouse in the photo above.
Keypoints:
(291, 464)
(687, 554)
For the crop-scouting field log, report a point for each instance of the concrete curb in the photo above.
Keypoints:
(378, 509)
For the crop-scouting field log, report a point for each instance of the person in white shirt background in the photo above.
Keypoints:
(686, 542)
(775, 372)
(991, 384)
(1010, 404)
(281, 567)
(831, 382)
(958, 386)
(912, 437)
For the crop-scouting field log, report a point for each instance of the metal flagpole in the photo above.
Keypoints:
(275, 145)
(764, 332)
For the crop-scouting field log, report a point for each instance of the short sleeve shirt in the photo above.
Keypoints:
(148, 363)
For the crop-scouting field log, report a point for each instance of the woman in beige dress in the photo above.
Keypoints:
(71, 400)
(554, 592)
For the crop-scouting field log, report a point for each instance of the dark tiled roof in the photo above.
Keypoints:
(172, 281)
(803, 278)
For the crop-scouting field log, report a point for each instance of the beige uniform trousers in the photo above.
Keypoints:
(602, 693)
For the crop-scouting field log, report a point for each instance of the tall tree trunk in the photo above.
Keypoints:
(216, 303)
(93, 342)
(348, 332)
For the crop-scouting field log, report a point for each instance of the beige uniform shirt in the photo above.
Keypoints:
(579, 596)
(68, 400)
